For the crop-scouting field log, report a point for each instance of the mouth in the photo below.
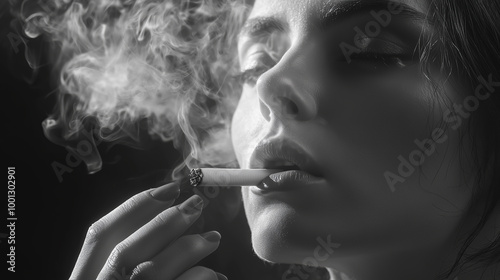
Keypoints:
(299, 169)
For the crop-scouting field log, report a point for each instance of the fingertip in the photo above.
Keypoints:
(167, 192)
(221, 276)
(211, 236)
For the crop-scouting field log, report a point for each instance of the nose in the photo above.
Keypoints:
(285, 90)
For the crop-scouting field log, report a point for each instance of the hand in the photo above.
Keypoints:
(141, 239)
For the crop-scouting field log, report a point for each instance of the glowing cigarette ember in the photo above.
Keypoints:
(228, 177)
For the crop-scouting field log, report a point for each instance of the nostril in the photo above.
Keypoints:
(291, 107)
(287, 106)
(283, 106)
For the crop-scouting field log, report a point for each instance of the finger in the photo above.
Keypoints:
(178, 257)
(103, 235)
(201, 273)
(152, 238)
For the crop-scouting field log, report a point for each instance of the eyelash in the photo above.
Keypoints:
(250, 76)
(388, 60)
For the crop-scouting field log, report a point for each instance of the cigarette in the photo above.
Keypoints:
(203, 177)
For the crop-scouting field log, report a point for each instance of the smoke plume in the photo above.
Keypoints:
(122, 65)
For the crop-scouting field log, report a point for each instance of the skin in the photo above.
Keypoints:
(143, 238)
(354, 127)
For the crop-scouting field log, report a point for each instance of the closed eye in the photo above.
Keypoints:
(367, 63)
(397, 60)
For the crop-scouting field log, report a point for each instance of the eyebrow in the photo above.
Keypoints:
(332, 13)
(258, 26)
(329, 14)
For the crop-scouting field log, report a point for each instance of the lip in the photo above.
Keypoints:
(271, 154)
(286, 181)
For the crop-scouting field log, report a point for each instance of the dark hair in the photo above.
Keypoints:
(464, 47)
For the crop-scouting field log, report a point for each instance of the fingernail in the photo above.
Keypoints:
(192, 205)
(221, 276)
(211, 236)
(166, 192)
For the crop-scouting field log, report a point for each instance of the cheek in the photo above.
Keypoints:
(376, 111)
(382, 129)
(238, 133)
(372, 125)
(246, 126)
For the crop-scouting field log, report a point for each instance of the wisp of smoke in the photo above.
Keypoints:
(169, 64)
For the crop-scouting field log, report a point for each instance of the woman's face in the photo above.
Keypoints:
(335, 87)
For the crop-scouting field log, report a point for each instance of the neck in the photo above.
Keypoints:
(429, 265)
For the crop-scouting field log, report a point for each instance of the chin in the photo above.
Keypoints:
(271, 243)
(279, 237)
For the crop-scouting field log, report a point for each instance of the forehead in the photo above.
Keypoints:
(302, 13)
